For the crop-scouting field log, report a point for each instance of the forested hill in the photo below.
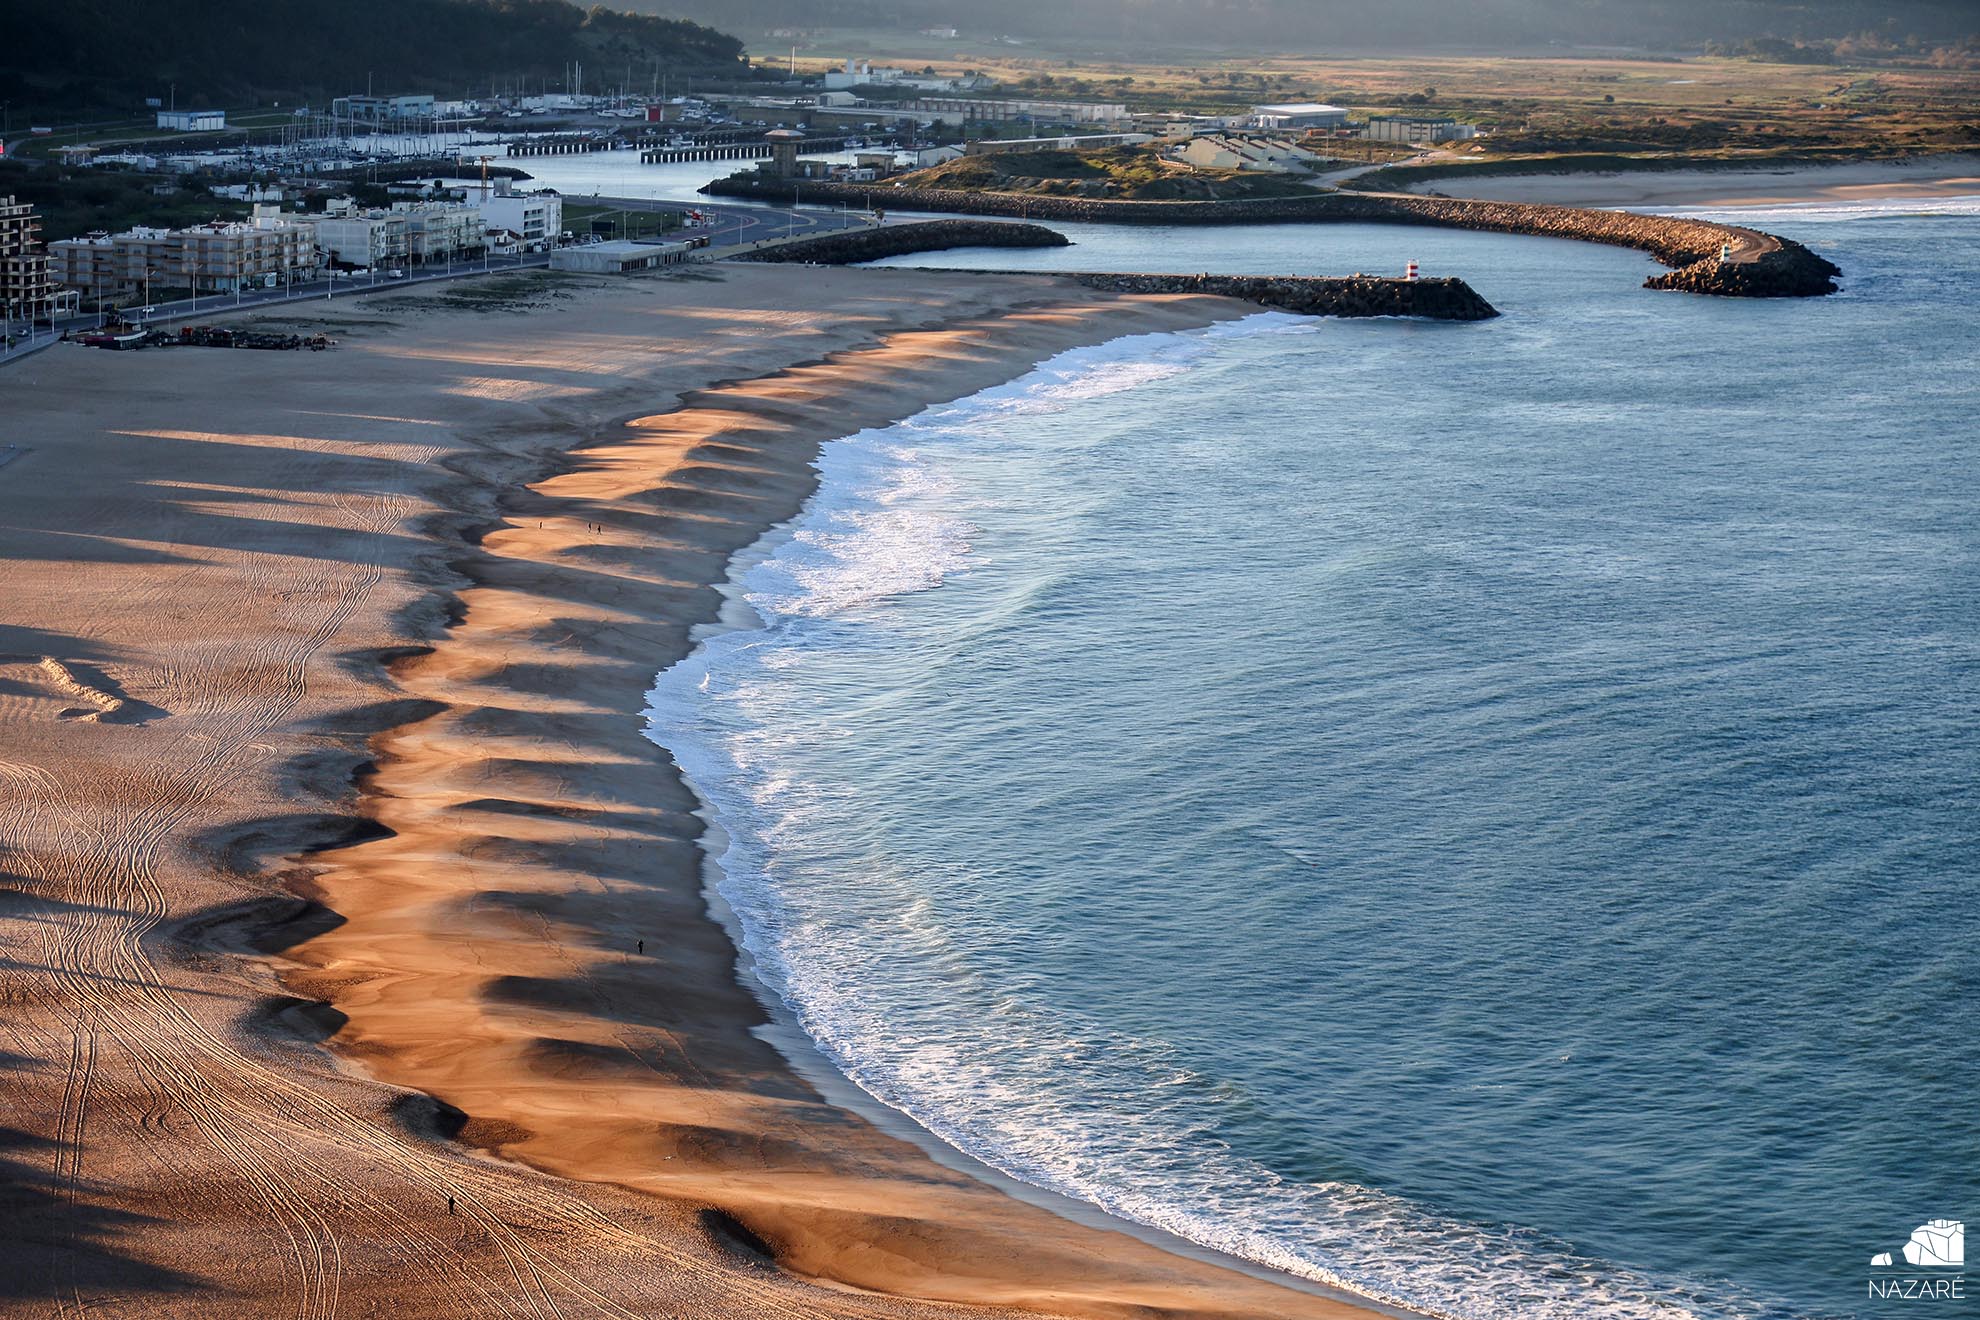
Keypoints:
(1310, 25)
(233, 52)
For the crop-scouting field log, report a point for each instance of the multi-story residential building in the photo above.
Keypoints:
(28, 289)
(213, 258)
(438, 231)
(411, 233)
(223, 256)
(114, 267)
(535, 218)
(361, 239)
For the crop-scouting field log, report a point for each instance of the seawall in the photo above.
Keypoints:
(849, 246)
(1359, 295)
(1759, 265)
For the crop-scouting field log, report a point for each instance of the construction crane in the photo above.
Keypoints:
(484, 171)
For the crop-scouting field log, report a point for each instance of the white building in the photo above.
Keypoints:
(1407, 128)
(986, 109)
(1219, 151)
(1070, 142)
(193, 121)
(218, 257)
(536, 217)
(860, 74)
(1298, 114)
(383, 109)
(364, 239)
(617, 258)
(439, 231)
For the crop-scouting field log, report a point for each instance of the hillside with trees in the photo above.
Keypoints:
(1338, 25)
(114, 53)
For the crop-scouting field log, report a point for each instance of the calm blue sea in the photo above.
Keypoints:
(1485, 815)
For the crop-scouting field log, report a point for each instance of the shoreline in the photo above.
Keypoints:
(783, 1031)
(806, 1239)
(341, 831)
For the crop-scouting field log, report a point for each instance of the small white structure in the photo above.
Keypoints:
(193, 121)
(1219, 151)
(618, 258)
(1298, 114)
(921, 158)
(860, 73)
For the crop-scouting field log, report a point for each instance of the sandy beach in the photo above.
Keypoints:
(1921, 178)
(356, 956)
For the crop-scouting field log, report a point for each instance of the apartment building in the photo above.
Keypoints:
(213, 258)
(536, 218)
(438, 231)
(362, 239)
(28, 288)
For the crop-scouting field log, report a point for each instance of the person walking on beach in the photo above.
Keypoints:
(450, 1205)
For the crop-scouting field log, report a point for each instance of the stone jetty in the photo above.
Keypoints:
(1726, 260)
(1357, 295)
(847, 247)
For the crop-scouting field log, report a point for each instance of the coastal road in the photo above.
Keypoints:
(731, 225)
(213, 304)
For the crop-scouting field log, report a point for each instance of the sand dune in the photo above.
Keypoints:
(400, 603)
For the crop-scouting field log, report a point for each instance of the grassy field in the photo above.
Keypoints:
(1121, 172)
(578, 218)
(1525, 104)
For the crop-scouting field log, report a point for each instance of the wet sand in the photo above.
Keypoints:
(356, 956)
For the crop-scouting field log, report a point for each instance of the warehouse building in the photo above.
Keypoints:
(618, 258)
(193, 121)
(1298, 115)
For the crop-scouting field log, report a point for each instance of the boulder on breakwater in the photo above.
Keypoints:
(1779, 266)
(848, 246)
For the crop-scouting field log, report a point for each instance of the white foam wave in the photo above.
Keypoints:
(875, 979)
(1828, 211)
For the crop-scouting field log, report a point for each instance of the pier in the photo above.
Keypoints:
(562, 144)
(733, 149)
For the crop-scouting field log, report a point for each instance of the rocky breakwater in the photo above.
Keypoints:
(1755, 265)
(1727, 260)
(848, 246)
(1359, 295)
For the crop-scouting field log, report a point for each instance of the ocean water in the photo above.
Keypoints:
(1487, 816)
